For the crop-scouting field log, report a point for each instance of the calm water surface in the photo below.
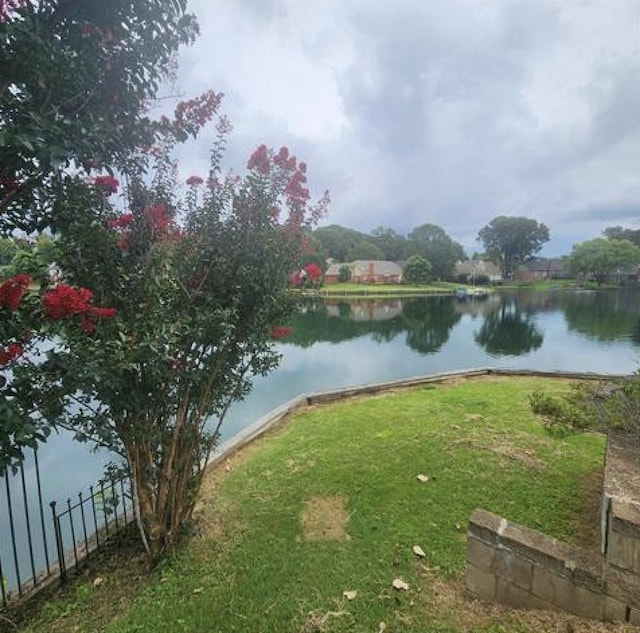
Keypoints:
(339, 344)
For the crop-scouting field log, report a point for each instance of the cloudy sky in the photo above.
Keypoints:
(443, 111)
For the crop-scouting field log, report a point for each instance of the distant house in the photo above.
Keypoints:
(472, 268)
(542, 268)
(367, 271)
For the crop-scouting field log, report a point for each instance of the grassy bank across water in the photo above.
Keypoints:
(331, 503)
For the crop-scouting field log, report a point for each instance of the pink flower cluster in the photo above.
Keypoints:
(193, 181)
(158, 217)
(191, 116)
(7, 7)
(122, 222)
(310, 273)
(10, 353)
(259, 160)
(64, 302)
(108, 183)
(280, 331)
(12, 290)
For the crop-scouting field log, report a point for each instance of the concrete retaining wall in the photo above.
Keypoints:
(524, 568)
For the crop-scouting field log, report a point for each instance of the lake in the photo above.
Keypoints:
(345, 343)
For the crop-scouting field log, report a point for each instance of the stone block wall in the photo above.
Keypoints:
(524, 568)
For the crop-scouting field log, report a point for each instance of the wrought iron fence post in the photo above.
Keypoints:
(59, 544)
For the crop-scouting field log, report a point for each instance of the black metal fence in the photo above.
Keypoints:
(38, 544)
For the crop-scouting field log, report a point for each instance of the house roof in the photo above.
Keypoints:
(544, 264)
(478, 267)
(380, 267)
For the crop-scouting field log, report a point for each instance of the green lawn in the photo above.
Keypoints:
(331, 503)
(385, 290)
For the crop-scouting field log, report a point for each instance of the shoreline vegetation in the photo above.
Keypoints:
(441, 288)
(305, 529)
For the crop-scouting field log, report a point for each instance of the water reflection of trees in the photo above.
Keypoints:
(509, 331)
(508, 327)
(604, 316)
(427, 321)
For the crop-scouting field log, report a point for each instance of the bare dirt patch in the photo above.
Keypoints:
(587, 520)
(325, 519)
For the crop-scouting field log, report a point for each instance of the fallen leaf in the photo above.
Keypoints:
(418, 551)
(422, 478)
(98, 581)
(198, 590)
(400, 584)
(382, 627)
(350, 595)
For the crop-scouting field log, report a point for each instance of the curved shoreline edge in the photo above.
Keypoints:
(274, 418)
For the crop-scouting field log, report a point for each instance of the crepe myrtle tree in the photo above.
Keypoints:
(168, 308)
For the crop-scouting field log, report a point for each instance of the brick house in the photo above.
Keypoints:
(367, 271)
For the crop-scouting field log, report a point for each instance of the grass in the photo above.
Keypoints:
(330, 503)
(385, 290)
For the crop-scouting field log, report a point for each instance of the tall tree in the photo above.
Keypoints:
(620, 233)
(510, 241)
(417, 270)
(75, 80)
(434, 244)
(364, 250)
(338, 240)
(602, 256)
(391, 243)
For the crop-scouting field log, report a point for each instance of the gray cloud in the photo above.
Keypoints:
(447, 111)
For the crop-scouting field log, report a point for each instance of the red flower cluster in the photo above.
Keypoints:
(259, 160)
(122, 222)
(158, 217)
(12, 290)
(313, 271)
(194, 180)
(280, 331)
(192, 115)
(64, 301)
(10, 353)
(296, 190)
(282, 159)
(108, 183)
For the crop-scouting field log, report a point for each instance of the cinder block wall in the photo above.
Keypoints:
(524, 568)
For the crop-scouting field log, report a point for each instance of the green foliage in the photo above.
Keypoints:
(364, 250)
(595, 405)
(344, 274)
(510, 241)
(76, 78)
(8, 248)
(338, 241)
(508, 331)
(417, 270)
(391, 244)
(620, 233)
(602, 256)
(433, 244)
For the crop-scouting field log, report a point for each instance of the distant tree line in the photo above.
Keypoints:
(508, 241)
